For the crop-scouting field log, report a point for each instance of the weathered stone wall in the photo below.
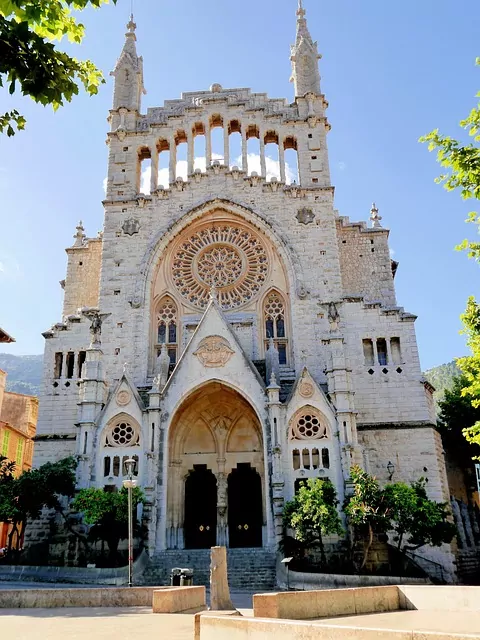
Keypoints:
(83, 276)
(365, 261)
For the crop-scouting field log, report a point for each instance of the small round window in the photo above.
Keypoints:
(122, 434)
(308, 426)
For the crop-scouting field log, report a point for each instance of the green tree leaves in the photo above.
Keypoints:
(30, 62)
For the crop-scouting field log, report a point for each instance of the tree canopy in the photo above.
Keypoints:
(462, 171)
(31, 63)
(25, 496)
(107, 511)
(313, 513)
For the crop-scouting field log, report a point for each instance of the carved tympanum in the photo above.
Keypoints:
(214, 351)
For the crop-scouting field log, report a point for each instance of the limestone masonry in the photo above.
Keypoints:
(229, 330)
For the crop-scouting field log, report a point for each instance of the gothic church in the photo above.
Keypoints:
(228, 329)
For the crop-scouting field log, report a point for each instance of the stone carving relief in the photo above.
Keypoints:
(123, 397)
(305, 216)
(214, 351)
(230, 258)
(131, 226)
(306, 389)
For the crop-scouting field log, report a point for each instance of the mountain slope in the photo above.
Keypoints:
(24, 373)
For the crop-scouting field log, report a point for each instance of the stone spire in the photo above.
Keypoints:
(374, 217)
(79, 235)
(304, 57)
(128, 73)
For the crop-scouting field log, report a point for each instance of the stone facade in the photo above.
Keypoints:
(229, 330)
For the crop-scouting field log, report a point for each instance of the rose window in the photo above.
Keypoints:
(229, 258)
(122, 434)
(220, 266)
(308, 426)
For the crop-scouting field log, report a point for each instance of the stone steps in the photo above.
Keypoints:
(248, 569)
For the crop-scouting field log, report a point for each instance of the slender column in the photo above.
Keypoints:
(173, 160)
(389, 352)
(226, 145)
(154, 169)
(375, 352)
(208, 146)
(263, 164)
(281, 160)
(244, 151)
(191, 152)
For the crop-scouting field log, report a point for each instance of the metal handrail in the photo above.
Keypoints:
(413, 556)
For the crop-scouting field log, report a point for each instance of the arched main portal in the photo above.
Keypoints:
(215, 436)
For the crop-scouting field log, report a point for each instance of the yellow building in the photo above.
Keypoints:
(18, 423)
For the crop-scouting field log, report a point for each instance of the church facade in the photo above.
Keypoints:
(228, 329)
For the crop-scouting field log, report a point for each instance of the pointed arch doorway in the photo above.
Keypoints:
(216, 472)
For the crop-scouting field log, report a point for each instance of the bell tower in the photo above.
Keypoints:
(128, 74)
(304, 57)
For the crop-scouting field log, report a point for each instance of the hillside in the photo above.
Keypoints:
(24, 373)
(442, 378)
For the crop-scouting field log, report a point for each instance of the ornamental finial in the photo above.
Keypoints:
(374, 217)
(213, 294)
(79, 235)
(131, 26)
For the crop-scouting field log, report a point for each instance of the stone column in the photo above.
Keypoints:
(173, 160)
(281, 160)
(154, 169)
(263, 164)
(226, 146)
(208, 146)
(375, 352)
(389, 352)
(219, 589)
(244, 151)
(191, 152)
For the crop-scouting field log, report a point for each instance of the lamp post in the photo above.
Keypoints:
(130, 483)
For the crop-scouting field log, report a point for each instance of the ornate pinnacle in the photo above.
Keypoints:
(374, 217)
(79, 235)
(131, 26)
(213, 293)
(300, 10)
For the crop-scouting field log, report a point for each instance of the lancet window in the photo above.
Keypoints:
(309, 443)
(275, 326)
(167, 328)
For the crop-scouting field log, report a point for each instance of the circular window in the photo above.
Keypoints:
(309, 426)
(122, 434)
(230, 258)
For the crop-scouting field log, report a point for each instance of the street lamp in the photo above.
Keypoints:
(130, 483)
(390, 469)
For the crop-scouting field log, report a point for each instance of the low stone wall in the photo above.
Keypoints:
(216, 628)
(442, 598)
(304, 605)
(179, 600)
(77, 597)
(73, 575)
(303, 581)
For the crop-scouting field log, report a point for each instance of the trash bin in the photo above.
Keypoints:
(186, 578)
(175, 577)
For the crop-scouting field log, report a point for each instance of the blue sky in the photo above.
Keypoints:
(391, 72)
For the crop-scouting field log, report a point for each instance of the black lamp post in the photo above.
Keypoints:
(130, 483)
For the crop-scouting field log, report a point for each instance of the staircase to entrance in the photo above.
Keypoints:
(248, 568)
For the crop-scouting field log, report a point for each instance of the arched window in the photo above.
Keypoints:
(167, 328)
(274, 318)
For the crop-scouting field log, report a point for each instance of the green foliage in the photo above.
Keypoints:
(442, 378)
(457, 413)
(25, 496)
(415, 519)
(470, 366)
(366, 509)
(108, 512)
(313, 513)
(31, 63)
(462, 166)
(403, 509)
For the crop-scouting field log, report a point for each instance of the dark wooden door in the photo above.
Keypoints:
(200, 524)
(245, 517)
